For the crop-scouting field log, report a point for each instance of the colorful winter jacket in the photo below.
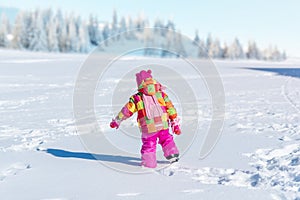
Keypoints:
(136, 104)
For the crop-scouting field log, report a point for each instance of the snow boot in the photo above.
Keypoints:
(173, 158)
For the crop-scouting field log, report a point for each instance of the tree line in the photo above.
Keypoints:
(52, 31)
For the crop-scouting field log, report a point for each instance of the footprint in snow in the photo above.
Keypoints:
(13, 170)
(169, 170)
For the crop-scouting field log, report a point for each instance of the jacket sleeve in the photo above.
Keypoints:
(128, 110)
(170, 107)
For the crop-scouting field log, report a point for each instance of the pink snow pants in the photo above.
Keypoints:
(148, 151)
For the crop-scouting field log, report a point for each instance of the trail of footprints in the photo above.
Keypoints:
(278, 169)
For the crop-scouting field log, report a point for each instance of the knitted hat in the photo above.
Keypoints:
(142, 75)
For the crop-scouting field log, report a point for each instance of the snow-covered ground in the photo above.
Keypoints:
(42, 157)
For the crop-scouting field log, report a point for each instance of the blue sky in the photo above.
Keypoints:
(265, 21)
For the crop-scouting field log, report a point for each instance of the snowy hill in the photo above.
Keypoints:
(42, 156)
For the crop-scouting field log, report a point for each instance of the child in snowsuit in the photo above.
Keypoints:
(155, 112)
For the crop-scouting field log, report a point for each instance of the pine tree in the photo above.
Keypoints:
(215, 50)
(196, 39)
(46, 15)
(52, 35)
(84, 39)
(275, 55)
(62, 37)
(61, 31)
(3, 31)
(170, 25)
(208, 42)
(17, 31)
(28, 28)
(72, 39)
(158, 25)
(179, 48)
(114, 29)
(169, 43)
(202, 52)
(94, 32)
(123, 27)
(106, 34)
(148, 41)
(225, 51)
(235, 51)
(39, 38)
(140, 23)
(131, 35)
(253, 52)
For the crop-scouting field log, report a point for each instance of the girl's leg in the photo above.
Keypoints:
(168, 145)
(148, 151)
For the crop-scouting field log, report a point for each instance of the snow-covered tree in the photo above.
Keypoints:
(62, 37)
(168, 43)
(16, 32)
(3, 31)
(38, 34)
(273, 54)
(84, 39)
(253, 52)
(235, 51)
(202, 51)
(140, 23)
(215, 50)
(106, 34)
(170, 25)
(61, 31)
(148, 41)
(196, 39)
(131, 28)
(225, 51)
(72, 39)
(52, 35)
(158, 25)
(114, 26)
(94, 32)
(209, 40)
(123, 27)
(179, 47)
(27, 31)
(46, 16)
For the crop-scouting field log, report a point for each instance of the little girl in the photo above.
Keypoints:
(155, 112)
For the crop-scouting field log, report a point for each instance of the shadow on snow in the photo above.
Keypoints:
(293, 72)
(100, 157)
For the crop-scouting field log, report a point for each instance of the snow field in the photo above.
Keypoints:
(257, 156)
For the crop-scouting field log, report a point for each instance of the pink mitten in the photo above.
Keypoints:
(114, 124)
(176, 126)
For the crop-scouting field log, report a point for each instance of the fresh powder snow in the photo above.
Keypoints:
(42, 156)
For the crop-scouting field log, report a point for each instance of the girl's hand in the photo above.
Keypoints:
(176, 126)
(114, 124)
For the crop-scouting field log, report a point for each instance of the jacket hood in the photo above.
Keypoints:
(150, 86)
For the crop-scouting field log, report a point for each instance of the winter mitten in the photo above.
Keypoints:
(115, 123)
(176, 126)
